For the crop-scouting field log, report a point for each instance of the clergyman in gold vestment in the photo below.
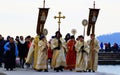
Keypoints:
(93, 55)
(58, 46)
(39, 53)
(82, 50)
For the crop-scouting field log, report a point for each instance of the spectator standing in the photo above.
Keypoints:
(21, 48)
(11, 52)
(27, 44)
(2, 42)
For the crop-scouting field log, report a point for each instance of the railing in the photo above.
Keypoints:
(109, 58)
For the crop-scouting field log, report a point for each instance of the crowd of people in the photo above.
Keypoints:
(60, 53)
(107, 47)
(12, 48)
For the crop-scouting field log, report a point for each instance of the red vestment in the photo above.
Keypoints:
(49, 53)
(71, 55)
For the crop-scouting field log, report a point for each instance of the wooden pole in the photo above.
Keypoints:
(44, 4)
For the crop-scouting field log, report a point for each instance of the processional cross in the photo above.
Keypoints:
(59, 19)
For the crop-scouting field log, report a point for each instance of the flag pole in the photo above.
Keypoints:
(94, 5)
(44, 4)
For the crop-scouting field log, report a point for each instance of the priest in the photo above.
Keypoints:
(71, 54)
(82, 54)
(39, 48)
(93, 55)
(58, 46)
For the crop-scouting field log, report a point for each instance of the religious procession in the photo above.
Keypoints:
(58, 53)
(64, 53)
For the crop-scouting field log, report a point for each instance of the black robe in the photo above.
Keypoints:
(10, 56)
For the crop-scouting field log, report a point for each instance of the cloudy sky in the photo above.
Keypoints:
(19, 17)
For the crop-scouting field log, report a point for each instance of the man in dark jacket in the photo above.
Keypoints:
(11, 52)
(2, 42)
(21, 48)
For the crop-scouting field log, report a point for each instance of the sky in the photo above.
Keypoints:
(19, 17)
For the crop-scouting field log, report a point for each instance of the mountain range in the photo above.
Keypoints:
(110, 38)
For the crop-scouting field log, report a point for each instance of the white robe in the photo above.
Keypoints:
(82, 57)
(58, 58)
(30, 55)
(93, 55)
(42, 56)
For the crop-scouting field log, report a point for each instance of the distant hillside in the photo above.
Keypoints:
(112, 38)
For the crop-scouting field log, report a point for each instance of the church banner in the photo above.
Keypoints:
(93, 14)
(43, 12)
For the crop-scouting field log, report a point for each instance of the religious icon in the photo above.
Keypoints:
(94, 17)
(43, 12)
(43, 17)
(93, 14)
(41, 27)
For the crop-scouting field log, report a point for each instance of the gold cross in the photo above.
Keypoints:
(59, 17)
